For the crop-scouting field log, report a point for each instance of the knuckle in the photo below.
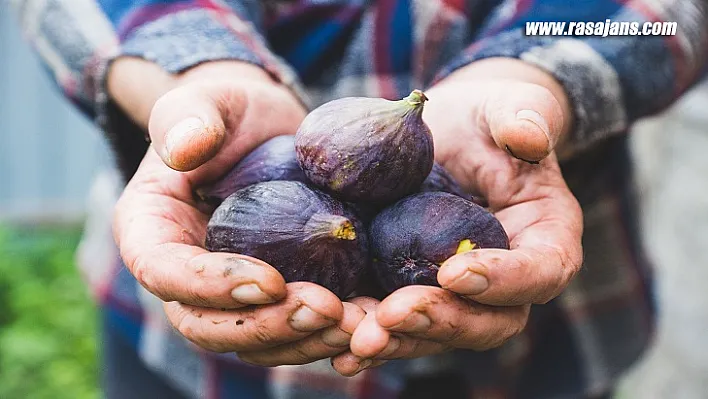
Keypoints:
(409, 351)
(515, 327)
(557, 279)
(195, 294)
(144, 274)
(500, 336)
(542, 91)
(498, 340)
(569, 267)
(187, 328)
(263, 333)
(456, 333)
(192, 328)
(299, 355)
(565, 279)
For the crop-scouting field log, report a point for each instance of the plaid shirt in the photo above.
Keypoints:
(575, 346)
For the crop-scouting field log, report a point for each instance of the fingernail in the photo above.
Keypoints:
(363, 365)
(536, 118)
(250, 294)
(393, 344)
(177, 134)
(470, 283)
(306, 320)
(336, 337)
(415, 322)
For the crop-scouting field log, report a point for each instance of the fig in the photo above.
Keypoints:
(304, 233)
(273, 160)
(413, 237)
(367, 149)
(440, 179)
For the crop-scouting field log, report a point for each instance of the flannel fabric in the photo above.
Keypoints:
(574, 347)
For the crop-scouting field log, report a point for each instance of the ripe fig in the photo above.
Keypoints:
(273, 160)
(367, 149)
(413, 237)
(440, 179)
(305, 234)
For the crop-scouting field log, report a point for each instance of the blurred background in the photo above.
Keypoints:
(50, 156)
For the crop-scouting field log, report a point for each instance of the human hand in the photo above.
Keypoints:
(205, 122)
(478, 116)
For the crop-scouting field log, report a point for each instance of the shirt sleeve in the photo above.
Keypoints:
(78, 39)
(612, 80)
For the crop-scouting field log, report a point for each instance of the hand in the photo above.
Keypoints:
(212, 116)
(479, 116)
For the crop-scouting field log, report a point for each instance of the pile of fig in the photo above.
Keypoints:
(353, 202)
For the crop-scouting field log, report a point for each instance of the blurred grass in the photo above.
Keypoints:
(48, 327)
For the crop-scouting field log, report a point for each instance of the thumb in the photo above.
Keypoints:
(188, 124)
(525, 120)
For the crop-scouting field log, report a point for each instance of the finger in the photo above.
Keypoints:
(369, 338)
(176, 269)
(349, 365)
(412, 348)
(340, 335)
(330, 342)
(439, 315)
(306, 308)
(527, 124)
(160, 236)
(387, 346)
(188, 124)
(191, 275)
(545, 255)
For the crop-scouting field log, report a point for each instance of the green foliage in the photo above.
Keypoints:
(48, 328)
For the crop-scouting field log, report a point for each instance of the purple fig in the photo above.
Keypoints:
(413, 237)
(440, 179)
(273, 160)
(367, 149)
(305, 234)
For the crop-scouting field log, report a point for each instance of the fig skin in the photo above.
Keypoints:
(440, 179)
(305, 234)
(273, 160)
(410, 239)
(367, 149)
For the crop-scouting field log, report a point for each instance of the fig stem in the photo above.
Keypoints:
(417, 97)
(336, 226)
(465, 246)
(345, 231)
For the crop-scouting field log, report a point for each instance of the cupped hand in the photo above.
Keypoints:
(213, 116)
(485, 120)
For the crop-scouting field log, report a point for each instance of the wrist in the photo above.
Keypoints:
(134, 85)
